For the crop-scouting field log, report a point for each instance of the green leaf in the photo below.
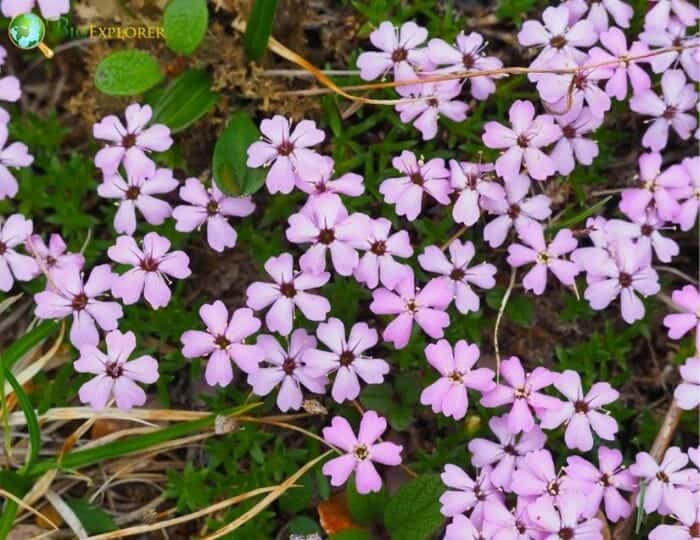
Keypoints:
(29, 413)
(127, 73)
(365, 509)
(185, 24)
(23, 345)
(94, 519)
(229, 168)
(259, 28)
(351, 534)
(413, 512)
(185, 100)
(303, 526)
(577, 218)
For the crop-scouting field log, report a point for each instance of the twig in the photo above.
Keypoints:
(678, 273)
(452, 238)
(501, 310)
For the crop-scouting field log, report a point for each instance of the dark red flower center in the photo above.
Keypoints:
(523, 141)
(346, 358)
(433, 102)
(553, 488)
(694, 530)
(605, 479)
(3, 248)
(133, 193)
(662, 477)
(580, 80)
(581, 406)
(417, 178)
(50, 260)
(558, 42)
(114, 369)
(513, 211)
(567, 533)
(80, 301)
(288, 290)
(286, 148)
(647, 229)
(326, 236)
(468, 60)
(361, 452)
(411, 306)
(399, 55)
(128, 140)
(457, 274)
(378, 248)
(625, 279)
(289, 366)
(212, 208)
(222, 342)
(510, 450)
(149, 264)
(669, 113)
(569, 131)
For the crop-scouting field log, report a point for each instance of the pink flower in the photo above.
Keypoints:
(14, 231)
(602, 483)
(688, 212)
(212, 207)
(623, 274)
(507, 454)
(523, 391)
(523, 142)
(419, 178)
(686, 529)
(462, 528)
(466, 55)
(679, 324)
(223, 342)
(668, 484)
(660, 15)
(142, 182)
(346, 358)
(50, 9)
(556, 38)
(581, 413)
(316, 181)
(467, 493)
(573, 146)
(503, 524)
(288, 292)
(673, 35)
(457, 271)
(13, 155)
(687, 393)
(546, 257)
(54, 256)
(448, 395)
(287, 153)
(668, 110)
(514, 209)
(377, 264)
(645, 230)
(72, 297)
(398, 50)
(286, 368)
(115, 374)
(135, 138)
(426, 307)
(10, 89)
(472, 181)
(536, 477)
(621, 12)
(615, 43)
(437, 99)
(564, 519)
(324, 222)
(151, 265)
(657, 189)
(361, 452)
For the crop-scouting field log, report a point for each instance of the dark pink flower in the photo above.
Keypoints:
(473, 183)
(573, 146)
(599, 12)
(318, 180)
(377, 264)
(467, 493)
(565, 518)
(54, 256)
(536, 477)
(436, 99)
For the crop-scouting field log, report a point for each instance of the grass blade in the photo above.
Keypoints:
(30, 414)
(259, 28)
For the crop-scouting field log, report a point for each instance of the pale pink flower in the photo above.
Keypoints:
(116, 375)
(135, 138)
(14, 231)
(54, 256)
(142, 182)
(515, 208)
(398, 50)
(462, 528)
(458, 272)
(436, 99)
(667, 110)
(687, 214)
(473, 182)
(325, 224)
(72, 297)
(602, 484)
(212, 207)
(318, 180)
(660, 15)
(224, 342)
(564, 519)
(523, 141)
(574, 146)
(420, 178)
(645, 230)
(582, 412)
(599, 12)
(624, 274)
(687, 393)
(536, 477)
(377, 264)
(503, 524)
(505, 455)
(426, 307)
(523, 391)
(686, 529)
(546, 257)
(153, 266)
(467, 493)
(14, 155)
(346, 358)
(50, 9)
(286, 151)
(679, 324)
(286, 368)
(10, 88)
(361, 452)
(448, 395)
(466, 55)
(288, 292)
(674, 35)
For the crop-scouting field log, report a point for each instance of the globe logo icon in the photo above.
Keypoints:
(27, 31)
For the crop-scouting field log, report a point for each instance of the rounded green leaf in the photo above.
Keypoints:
(127, 73)
(413, 512)
(185, 24)
(185, 100)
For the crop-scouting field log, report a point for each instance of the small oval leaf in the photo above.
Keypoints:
(185, 100)
(259, 28)
(127, 73)
(229, 168)
(185, 24)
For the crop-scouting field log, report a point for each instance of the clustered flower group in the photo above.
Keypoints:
(517, 491)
